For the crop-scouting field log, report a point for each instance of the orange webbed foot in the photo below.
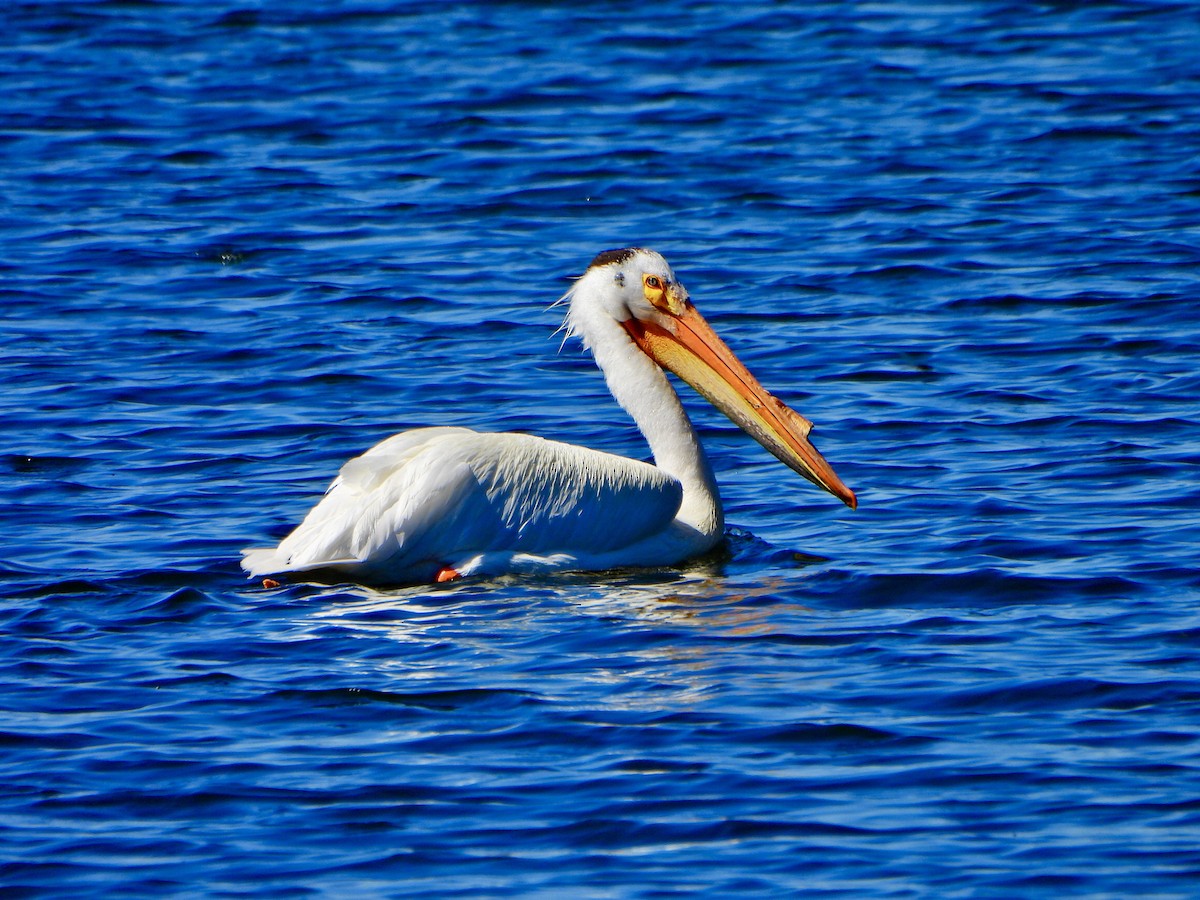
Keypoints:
(447, 573)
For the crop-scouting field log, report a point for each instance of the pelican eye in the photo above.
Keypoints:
(655, 290)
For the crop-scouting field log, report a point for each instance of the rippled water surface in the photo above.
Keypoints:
(243, 242)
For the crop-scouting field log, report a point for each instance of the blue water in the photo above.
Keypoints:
(243, 242)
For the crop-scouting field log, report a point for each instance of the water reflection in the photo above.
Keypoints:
(598, 645)
(725, 591)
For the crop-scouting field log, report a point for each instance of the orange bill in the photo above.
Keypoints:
(695, 353)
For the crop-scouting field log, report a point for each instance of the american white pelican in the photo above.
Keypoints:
(436, 504)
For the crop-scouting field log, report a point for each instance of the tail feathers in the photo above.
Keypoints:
(260, 561)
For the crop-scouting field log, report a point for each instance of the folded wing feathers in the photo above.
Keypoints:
(437, 494)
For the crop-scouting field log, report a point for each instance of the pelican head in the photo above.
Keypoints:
(638, 289)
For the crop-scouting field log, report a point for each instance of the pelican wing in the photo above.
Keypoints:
(432, 497)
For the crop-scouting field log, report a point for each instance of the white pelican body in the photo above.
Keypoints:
(439, 503)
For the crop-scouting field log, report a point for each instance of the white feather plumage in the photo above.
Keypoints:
(448, 501)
